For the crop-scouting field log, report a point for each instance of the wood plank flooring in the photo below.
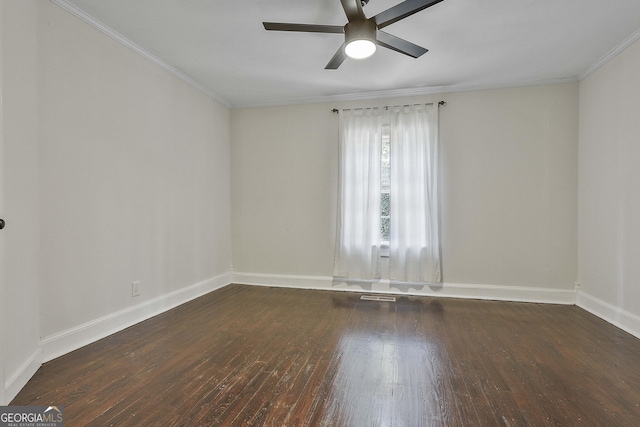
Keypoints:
(288, 357)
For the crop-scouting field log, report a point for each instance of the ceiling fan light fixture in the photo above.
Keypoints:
(360, 37)
(360, 49)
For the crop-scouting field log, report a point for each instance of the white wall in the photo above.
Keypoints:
(284, 166)
(134, 177)
(509, 191)
(21, 193)
(510, 186)
(609, 236)
(115, 171)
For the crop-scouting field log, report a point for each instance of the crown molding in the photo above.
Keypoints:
(610, 55)
(64, 4)
(402, 93)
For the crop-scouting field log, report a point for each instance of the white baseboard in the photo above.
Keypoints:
(450, 290)
(617, 316)
(72, 339)
(284, 280)
(19, 379)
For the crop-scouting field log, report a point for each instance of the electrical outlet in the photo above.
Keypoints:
(135, 288)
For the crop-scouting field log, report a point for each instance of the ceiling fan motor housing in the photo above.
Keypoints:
(360, 30)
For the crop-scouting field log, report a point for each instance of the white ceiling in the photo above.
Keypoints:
(222, 47)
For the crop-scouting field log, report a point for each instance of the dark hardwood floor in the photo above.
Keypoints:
(285, 357)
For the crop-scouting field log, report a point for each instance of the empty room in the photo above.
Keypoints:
(320, 213)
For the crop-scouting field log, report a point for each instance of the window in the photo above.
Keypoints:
(388, 203)
(385, 192)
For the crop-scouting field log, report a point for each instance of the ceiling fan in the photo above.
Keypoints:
(362, 34)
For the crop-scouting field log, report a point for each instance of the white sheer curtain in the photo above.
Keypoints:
(357, 254)
(414, 247)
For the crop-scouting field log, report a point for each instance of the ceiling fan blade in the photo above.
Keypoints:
(401, 11)
(337, 59)
(353, 9)
(400, 45)
(307, 28)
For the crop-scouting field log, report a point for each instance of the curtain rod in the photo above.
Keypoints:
(386, 107)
